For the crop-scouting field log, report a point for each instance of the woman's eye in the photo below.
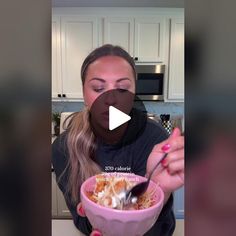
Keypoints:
(122, 90)
(98, 90)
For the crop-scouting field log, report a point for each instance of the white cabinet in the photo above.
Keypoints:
(59, 207)
(176, 60)
(149, 39)
(54, 196)
(62, 210)
(150, 36)
(78, 37)
(179, 203)
(142, 37)
(56, 57)
(120, 31)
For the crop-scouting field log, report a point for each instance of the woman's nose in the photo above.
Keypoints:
(111, 97)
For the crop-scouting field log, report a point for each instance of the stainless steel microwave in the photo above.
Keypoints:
(150, 82)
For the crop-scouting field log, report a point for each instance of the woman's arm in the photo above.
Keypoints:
(170, 173)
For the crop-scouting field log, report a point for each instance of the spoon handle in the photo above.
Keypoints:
(163, 157)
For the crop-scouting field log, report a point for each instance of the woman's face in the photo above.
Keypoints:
(107, 73)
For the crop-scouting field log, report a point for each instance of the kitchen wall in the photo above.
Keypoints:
(172, 108)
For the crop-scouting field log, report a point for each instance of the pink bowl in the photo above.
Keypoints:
(112, 222)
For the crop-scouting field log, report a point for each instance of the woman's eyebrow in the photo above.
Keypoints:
(104, 81)
(99, 79)
(121, 79)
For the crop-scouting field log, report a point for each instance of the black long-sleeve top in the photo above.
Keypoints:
(130, 155)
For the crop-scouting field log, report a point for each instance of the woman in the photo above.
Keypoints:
(86, 149)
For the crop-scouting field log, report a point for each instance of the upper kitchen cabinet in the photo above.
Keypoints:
(120, 31)
(142, 37)
(150, 35)
(78, 37)
(149, 39)
(56, 58)
(176, 60)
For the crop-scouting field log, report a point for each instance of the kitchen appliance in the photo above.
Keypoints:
(150, 82)
(169, 122)
(166, 122)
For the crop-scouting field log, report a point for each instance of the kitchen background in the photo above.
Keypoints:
(175, 109)
(154, 34)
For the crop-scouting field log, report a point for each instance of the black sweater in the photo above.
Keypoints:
(130, 155)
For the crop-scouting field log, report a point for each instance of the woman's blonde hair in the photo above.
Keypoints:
(81, 141)
(81, 145)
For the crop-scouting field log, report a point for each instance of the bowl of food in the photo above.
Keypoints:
(100, 197)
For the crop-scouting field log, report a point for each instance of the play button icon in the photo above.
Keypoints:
(117, 118)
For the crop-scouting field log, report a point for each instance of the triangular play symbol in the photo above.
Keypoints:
(116, 118)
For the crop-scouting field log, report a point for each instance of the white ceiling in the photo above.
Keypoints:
(118, 3)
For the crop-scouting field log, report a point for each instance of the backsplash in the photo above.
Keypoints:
(157, 108)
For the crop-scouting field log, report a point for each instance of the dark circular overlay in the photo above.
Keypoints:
(126, 102)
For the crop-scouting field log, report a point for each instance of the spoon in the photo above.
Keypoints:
(132, 195)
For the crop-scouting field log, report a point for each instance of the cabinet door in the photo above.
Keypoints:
(54, 196)
(120, 31)
(149, 39)
(179, 203)
(56, 58)
(62, 209)
(176, 64)
(79, 37)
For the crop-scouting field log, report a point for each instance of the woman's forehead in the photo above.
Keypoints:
(111, 59)
(110, 65)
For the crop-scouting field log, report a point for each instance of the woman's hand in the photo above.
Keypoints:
(80, 212)
(170, 173)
